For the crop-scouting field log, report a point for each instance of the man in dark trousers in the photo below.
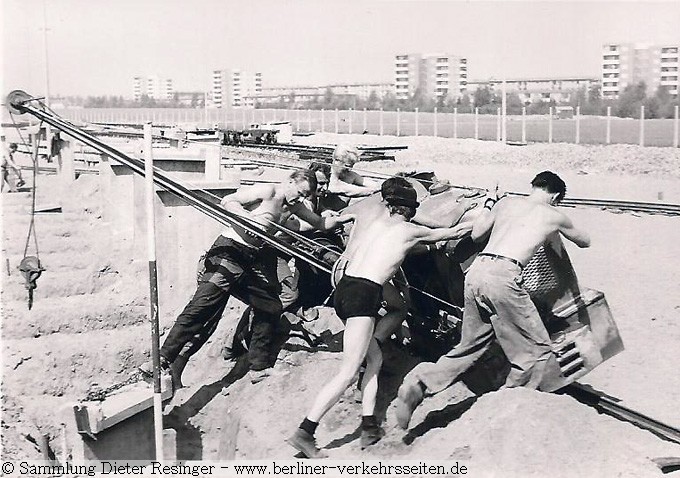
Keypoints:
(239, 264)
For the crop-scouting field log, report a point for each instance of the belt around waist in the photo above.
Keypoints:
(503, 258)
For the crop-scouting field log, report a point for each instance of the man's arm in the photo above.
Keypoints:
(237, 201)
(353, 186)
(577, 236)
(323, 223)
(425, 234)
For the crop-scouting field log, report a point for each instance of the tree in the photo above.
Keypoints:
(373, 101)
(482, 97)
(629, 102)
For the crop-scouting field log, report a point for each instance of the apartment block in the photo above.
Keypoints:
(275, 95)
(235, 88)
(437, 75)
(627, 64)
(153, 87)
(530, 90)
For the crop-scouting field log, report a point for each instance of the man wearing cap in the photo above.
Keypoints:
(380, 239)
(344, 181)
(496, 304)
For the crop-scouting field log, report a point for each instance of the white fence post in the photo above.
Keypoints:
(243, 118)
(381, 121)
(365, 121)
(524, 124)
(676, 130)
(476, 123)
(498, 124)
(642, 125)
(578, 124)
(323, 121)
(336, 121)
(297, 119)
(309, 120)
(398, 122)
(550, 125)
(350, 116)
(608, 138)
(416, 120)
(435, 121)
(455, 123)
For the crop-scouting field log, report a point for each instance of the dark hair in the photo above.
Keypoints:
(400, 196)
(305, 175)
(550, 182)
(13, 146)
(324, 168)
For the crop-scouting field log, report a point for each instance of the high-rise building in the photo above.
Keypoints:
(629, 64)
(235, 88)
(153, 87)
(437, 75)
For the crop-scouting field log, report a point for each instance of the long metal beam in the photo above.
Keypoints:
(137, 166)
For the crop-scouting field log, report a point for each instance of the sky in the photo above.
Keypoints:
(96, 47)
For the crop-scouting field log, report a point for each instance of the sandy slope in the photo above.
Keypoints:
(91, 306)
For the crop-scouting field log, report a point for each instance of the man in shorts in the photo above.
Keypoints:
(380, 239)
(496, 304)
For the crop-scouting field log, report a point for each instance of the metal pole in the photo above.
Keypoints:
(642, 125)
(365, 121)
(435, 122)
(48, 128)
(398, 122)
(243, 118)
(578, 124)
(336, 121)
(323, 121)
(608, 137)
(524, 124)
(455, 123)
(297, 119)
(676, 130)
(476, 123)
(309, 120)
(153, 295)
(550, 125)
(416, 126)
(498, 124)
(351, 111)
(504, 113)
(382, 129)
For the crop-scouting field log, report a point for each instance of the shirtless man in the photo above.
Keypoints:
(238, 264)
(496, 304)
(380, 239)
(344, 181)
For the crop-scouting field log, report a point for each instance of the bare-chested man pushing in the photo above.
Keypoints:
(381, 237)
(239, 264)
(496, 304)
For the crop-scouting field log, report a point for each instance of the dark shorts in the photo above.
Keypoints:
(357, 297)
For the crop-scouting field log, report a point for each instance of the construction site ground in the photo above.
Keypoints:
(88, 329)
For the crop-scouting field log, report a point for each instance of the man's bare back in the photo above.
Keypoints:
(519, 226)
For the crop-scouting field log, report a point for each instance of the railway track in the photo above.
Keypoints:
(668, 209)
(610, 406)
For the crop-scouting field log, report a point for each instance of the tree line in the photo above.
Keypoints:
(659, 104)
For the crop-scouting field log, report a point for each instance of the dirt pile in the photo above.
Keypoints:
(90, 313)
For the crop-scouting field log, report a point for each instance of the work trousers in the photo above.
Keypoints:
(496, 305)
(230, 268)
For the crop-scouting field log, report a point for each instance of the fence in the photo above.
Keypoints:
(495, 127)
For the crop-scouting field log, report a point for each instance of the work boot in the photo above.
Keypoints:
(409, 396)
(256, 376)
(147, 367)
(233, 353)
(371, 435)
(305, 443)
